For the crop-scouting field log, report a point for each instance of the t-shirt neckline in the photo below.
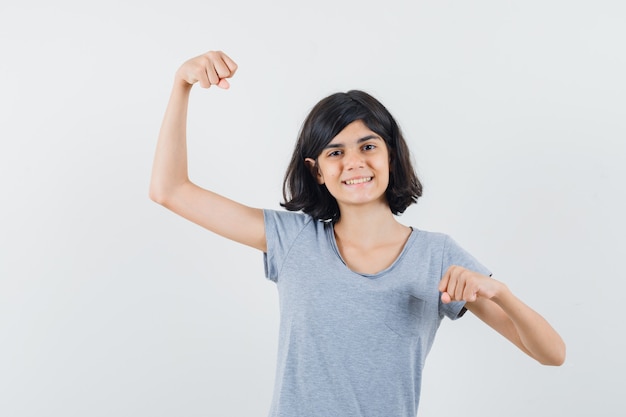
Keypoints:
(330, 232)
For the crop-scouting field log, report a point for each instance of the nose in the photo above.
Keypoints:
(353, 160)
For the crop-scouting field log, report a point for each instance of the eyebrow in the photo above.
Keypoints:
(361, 140)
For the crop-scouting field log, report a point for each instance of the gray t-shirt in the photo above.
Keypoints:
(350, 344)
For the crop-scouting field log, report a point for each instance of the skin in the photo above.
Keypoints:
(366, 226)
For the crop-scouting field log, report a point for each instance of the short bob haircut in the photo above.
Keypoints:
(330, 116)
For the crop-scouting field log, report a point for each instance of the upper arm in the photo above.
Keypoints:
(218, 214)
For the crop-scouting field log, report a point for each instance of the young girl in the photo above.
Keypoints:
(361, 295)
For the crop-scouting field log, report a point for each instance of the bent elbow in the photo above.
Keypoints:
(167, 194)
(155, 195)
(158, 195)
(557, 358)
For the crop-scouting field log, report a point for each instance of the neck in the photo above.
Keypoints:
(368, 225)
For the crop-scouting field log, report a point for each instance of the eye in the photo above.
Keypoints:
(369, 147)
(335, 153)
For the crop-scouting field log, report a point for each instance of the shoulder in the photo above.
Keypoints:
(440, 241)
(285, 219)
(443, 246)
(288, 225)
(432, 239)
(451, 252)
(283, 231)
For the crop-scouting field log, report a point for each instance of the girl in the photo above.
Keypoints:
(361, 295)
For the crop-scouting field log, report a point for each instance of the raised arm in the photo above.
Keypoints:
(493, 302)
(170, 185)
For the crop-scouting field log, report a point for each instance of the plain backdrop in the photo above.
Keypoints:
(112, 306)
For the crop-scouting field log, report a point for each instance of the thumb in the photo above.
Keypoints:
(445, 298)
(223, 84)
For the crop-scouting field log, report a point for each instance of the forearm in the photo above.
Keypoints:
(536, 335)
(169, 168)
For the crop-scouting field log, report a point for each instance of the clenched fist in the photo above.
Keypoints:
(460, 284)
(211, 68)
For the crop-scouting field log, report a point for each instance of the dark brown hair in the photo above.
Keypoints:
(330, 116)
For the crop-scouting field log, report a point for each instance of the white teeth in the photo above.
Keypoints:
(359, 181)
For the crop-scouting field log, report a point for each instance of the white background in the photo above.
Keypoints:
(112, 306)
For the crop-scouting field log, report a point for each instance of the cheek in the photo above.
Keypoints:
(329, 171)
(384, 166)
(385, 169)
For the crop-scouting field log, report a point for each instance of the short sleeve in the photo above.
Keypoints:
(453, 254)
(281, 230)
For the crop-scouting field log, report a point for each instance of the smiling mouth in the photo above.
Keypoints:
(358, 181)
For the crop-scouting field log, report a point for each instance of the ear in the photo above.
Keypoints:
(312, 165)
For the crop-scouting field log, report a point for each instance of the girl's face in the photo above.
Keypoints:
(354, 166)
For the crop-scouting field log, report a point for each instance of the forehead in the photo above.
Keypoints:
(355, 132)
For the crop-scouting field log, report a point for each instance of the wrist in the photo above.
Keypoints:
(501, 293)
(181, 83)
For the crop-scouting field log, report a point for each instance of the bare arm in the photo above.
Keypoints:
(170, 185)
(495, 304)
